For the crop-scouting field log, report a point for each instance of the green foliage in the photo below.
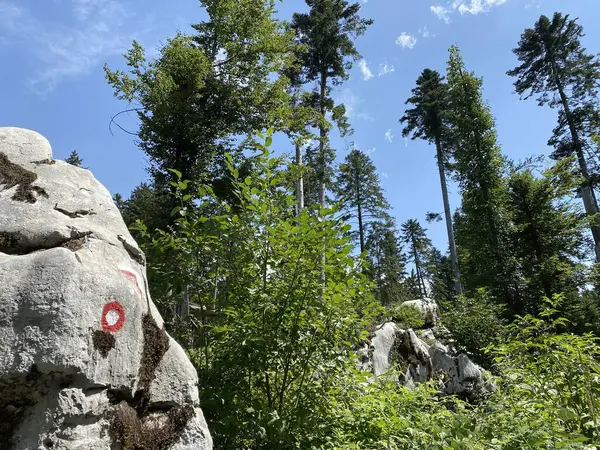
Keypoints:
(75, 159)
(429, 119)
(281, 335)
(483, 227)
(414, 235)
(441, 275)
(387, 262)
(326, 52)
(548, 397)
(475, 323)
(548, 233)
(553, 376)
(204, 90)
(405, 316)
(555, 67)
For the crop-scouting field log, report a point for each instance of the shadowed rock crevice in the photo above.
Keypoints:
(135, 423)
(74, 214)
(135, 253)
(156, 344)
(16, 396)
(12, 175)
(151, 432)
(15, 243)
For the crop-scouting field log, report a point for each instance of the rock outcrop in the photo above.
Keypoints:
(417, 356)
(85, 362)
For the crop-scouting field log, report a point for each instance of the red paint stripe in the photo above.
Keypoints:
(132, 278)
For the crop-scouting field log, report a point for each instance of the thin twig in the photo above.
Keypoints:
(112, 120)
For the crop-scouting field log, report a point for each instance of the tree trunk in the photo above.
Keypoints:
(300, 182)
(420, 280)
(322, 138)
(361, 231)
(587, 194)
(451, 243)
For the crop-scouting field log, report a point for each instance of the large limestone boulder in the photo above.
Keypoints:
(85, 363)
(416, 356)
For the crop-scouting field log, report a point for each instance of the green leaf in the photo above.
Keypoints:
(176, 172)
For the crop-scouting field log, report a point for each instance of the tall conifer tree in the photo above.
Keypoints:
(484, 232)
(427, 120)
(326, 34)
(359, 192)
(555, 67)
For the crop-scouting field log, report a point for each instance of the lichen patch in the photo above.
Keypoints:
(12, 175)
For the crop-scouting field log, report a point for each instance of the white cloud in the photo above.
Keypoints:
(472, 7)
(371, 150)
(477, 6)
(365, 116)
(364, 69)
(384, 69)
(389, 136)
(384, 175)
(349, 99)
(352, 103)
(406, 40)
(405, 142)
(99, 29)
(425, 33)
(441, 12)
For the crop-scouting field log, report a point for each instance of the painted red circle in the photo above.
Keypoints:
(117, 308)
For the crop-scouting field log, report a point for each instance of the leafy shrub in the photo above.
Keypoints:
(288, 306)
(475, 323)
(548, 398)
(405, 317)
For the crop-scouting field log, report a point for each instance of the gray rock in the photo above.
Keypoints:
(78, 330)
(461, 375)
(427, 307)
(421, 357)
(381, 345)
(415, 353)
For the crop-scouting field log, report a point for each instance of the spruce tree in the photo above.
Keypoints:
(387, 262)
(428, 120)
(75, 159)
(359, 192)
(419, 248)
(555, 67)
(326, 35)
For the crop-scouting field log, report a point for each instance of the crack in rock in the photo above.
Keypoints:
(136, 254)
(74, 214)
(45, 161)
(14, 243)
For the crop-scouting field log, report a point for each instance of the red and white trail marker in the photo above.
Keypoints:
(113, 316)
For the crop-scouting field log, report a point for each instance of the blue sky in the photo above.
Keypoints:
(51, 80)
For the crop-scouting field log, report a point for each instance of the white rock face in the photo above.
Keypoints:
(381, 345)
(84, 361)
